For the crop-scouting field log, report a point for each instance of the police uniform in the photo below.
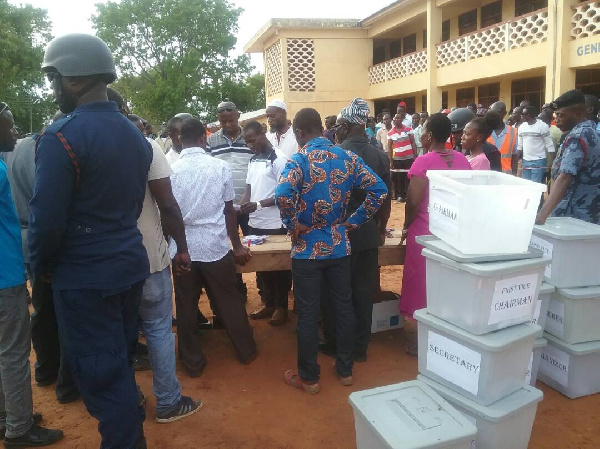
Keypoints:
(579, 156)
(90, 183)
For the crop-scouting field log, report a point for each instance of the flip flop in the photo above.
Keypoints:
(293, 380)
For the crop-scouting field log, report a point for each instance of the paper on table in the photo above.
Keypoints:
(555, 323)
(536, 313)
(554, 363)
(454, 362)
(545, 246)
(513, 298)
(529, 369)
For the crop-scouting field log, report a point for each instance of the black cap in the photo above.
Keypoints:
(570, 98)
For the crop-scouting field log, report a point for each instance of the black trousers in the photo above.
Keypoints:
(308, 278)
(400, 180)
(219, 280)
(51, 364)
(363, 279)
(274, 286)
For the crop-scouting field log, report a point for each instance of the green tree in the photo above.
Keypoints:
(173, 55)
(24, 33)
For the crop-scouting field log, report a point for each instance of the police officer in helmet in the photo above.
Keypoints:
(91, 176)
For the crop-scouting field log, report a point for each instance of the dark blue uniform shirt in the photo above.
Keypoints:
(90, 181)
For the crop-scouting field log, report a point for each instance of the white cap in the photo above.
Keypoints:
(277, 104)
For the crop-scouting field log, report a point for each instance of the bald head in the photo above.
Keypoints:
(499, 108)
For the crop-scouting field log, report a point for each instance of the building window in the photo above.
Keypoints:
(409, 44)
(491, 14)
(467, 22)
(444, 101)
(489, 94)
(527, 6)
(588, 81)
(301, 65)
(395, 49)
(531, 89)
(378, 55)
(274, 69)
(465, 96)
(445, 30)
(424, 38)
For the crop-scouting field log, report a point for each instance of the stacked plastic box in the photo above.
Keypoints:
(571, 360)
(476, 337)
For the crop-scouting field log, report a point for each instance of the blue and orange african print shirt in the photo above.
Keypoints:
(314, 190)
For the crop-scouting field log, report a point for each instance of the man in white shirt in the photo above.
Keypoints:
(258, 201)
(163, 140)
(173, 128)
(382, 133)
(203, 187)
(535, 145)
(406, 119)
(160, 210)
(281, 134)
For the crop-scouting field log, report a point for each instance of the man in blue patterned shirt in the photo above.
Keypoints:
(576, 169)
(313, 195)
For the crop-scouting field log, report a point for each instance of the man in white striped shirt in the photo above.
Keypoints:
(535, 145)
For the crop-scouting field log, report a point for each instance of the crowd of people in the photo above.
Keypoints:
(107, 220)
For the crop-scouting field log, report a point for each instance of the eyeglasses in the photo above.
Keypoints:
(51, 76)
(4, 108)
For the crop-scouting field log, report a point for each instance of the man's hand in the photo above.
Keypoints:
(182, 263)
(241, 254)
(295, 233)
(540, 219)
(248, 208)
(383, 234)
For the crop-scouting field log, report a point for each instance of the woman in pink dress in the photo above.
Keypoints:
(436, 131)
(474, 136)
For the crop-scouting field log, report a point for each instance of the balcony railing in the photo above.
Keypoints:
(399, 67)
(519, 32)
(586, 20)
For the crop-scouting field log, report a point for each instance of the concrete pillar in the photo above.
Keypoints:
(506, 91)
(451, 97)
(508, 10)
(434, 37)
(559, 76)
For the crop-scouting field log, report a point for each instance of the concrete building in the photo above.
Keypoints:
(434, 54)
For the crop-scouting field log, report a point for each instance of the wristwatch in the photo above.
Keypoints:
(258, 206)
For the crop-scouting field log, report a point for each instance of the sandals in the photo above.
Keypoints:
(293, 380)
(413, 350)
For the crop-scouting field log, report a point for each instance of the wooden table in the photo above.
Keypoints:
(274, 254)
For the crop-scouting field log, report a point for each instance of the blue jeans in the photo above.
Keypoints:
(307, 275)
(98, 333)
(156, 311)
(535, 170)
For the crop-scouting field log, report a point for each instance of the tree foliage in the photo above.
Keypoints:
(173, 55)
(24, 33)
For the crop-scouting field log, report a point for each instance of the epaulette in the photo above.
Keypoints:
(56, 128)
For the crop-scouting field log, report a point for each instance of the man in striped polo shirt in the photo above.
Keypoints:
(228, 144)
(402, 152)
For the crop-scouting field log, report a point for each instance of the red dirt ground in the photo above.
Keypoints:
(250, 407)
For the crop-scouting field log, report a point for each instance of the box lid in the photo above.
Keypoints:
(494, 341)
(547, 288)
(495, 412)
(489, 268)
(590, 347)
(439, 246)
(483, 179)
(540, 342)
(567, 228)
(580, 292)
(410, 415)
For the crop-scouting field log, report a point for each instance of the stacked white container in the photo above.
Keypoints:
(569, 362)
(477, 335)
